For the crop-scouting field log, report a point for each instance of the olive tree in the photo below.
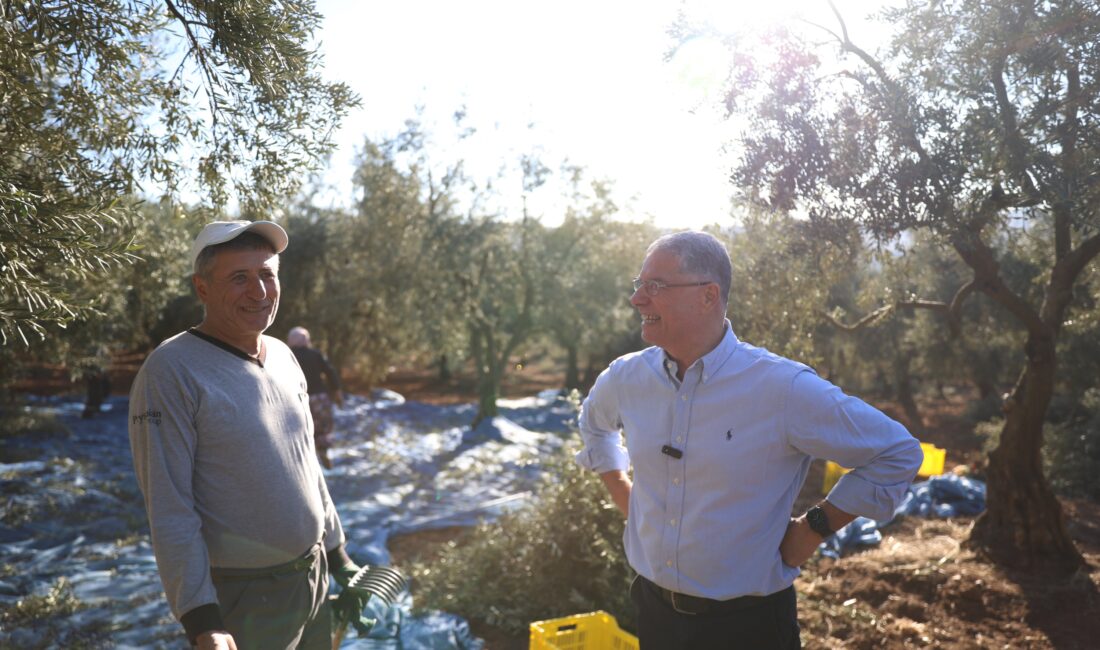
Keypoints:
(979, 118)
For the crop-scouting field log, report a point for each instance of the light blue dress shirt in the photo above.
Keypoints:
(748, 423)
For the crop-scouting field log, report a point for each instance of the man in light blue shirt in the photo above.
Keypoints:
(720, 435)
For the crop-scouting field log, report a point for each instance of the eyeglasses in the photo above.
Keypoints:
(653, 287)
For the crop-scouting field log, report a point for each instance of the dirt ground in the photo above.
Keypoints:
(920, 588)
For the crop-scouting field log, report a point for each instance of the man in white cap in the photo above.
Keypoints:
(243, 528)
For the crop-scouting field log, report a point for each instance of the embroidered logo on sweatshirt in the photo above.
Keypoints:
(153, 417)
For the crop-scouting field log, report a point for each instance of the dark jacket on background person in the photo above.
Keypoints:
(321, 377)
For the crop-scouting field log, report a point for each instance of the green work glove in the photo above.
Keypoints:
(349, 605)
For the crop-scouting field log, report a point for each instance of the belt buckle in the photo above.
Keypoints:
(672, 597)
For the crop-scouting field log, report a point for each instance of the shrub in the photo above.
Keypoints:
(17, 421)
(559, 555)
(59, 601)
(48, 621)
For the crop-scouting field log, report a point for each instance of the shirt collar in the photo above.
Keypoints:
(711, 362)
(232, 349)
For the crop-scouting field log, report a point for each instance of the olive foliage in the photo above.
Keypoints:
(104, 99)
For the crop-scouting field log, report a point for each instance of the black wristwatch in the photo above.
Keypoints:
(819, 523)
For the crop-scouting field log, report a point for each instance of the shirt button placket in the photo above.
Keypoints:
(676, 491)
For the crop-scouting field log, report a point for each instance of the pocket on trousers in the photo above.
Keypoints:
(230, 594)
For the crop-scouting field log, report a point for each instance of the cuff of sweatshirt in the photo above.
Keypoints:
(203, 618)
(337, 558)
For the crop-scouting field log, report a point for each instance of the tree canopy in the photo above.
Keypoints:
(101, 99)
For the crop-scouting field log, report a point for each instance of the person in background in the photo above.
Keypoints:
(243, 528)
(97, 388)
(324, 389)
(720, 435)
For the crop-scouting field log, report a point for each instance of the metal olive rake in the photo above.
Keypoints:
(383, 582)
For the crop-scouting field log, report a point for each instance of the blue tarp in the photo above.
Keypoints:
(860, 532)
(943, 496)
(73, 510)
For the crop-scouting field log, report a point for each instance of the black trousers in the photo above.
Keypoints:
(770, 625)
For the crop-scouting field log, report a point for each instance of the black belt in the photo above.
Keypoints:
(687, 604)
(299, 565)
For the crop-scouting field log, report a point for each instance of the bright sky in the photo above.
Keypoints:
(590, 76)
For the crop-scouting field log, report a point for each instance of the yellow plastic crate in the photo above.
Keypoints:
(833, 472)
(594, 631)
(933, 460)
(932, 466)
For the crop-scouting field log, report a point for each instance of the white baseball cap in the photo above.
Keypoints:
(219, 232)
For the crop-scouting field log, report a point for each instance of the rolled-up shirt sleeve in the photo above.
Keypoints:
(601, 428)
(884, 457)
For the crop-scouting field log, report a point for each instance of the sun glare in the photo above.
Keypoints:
(732, 18)
(738, 17)
(592, 78)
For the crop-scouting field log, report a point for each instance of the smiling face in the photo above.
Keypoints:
(241, 295)
(676, 318)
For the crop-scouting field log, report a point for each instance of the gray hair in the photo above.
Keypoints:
(244, 241)
(298, 337)
(700, 253)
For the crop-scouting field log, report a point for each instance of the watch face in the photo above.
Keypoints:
(818, 521)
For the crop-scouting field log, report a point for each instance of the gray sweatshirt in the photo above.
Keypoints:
(223, 451)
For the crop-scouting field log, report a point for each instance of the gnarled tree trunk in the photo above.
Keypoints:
(572, 371)
(483, 346)
(444, 364)
(1023, 523)
(903, 383)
